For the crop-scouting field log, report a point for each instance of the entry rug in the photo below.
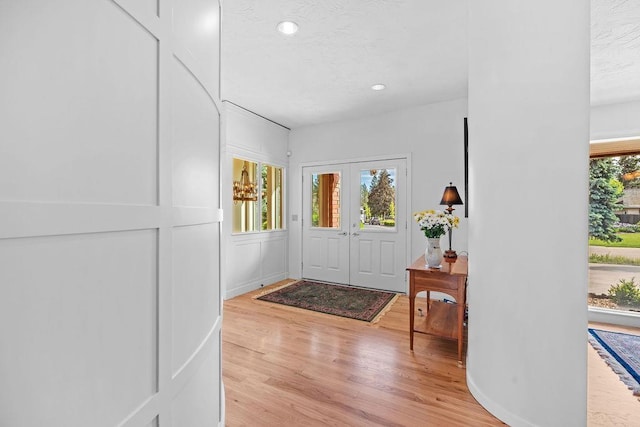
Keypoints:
(346, 301)
(622, 354)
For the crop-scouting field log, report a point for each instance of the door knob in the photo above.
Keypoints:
(344, 233)
(355, 234)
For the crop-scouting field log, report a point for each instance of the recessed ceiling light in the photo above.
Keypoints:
(378, 86)
(288, 27)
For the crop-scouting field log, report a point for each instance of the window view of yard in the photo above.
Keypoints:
(377, 198)
(614, 233)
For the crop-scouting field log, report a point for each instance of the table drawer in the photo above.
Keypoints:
(435, 281)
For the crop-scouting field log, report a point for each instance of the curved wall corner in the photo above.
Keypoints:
(110, 230)
(528, 204)
(491, 406)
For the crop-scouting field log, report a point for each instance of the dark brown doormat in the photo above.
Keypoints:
(339, 300)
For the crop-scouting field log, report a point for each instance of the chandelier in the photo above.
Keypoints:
(244, 190)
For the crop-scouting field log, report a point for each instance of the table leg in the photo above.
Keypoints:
(428, 300)
(461, 301)
(412, 306)
(460, 331)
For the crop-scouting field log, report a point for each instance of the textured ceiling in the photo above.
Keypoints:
(615, 51)
(418, 48)
(325, 71)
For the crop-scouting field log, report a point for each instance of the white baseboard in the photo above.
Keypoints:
(614, 317)
(253, 285)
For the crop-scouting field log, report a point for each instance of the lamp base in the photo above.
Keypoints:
(450, 254)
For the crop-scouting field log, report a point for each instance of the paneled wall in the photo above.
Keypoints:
(109, 213)
(257, 258)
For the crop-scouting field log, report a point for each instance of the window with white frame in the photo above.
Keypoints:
(257, 197)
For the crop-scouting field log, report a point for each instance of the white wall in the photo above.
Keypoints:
(615, 120)
(257, 258)
(109, 230)
(432, 134)
(528, 133)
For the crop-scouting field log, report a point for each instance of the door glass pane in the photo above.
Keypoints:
(378, 199)
(271, 197)
(325, 200)
(245, 195)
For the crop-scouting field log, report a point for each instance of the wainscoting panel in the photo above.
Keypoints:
(255, 260)
(273, 257)
(194, 405)
(195, 293)
(244, 262)
(195, 153)
(93, 135)
(59, 352)
(110, 311)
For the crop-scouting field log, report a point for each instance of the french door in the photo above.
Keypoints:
(355, 224)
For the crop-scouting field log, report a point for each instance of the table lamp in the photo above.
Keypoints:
(450, 198)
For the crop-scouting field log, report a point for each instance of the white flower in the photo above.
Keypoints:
(435, 223)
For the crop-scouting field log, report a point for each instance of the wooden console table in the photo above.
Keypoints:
(442, 319)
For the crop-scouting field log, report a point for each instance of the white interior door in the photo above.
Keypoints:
(354, 224)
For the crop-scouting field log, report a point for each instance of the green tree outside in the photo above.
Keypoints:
(382, 194)
(604, 193)
(364, 200)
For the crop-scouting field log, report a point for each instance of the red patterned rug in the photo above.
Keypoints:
(339, 300)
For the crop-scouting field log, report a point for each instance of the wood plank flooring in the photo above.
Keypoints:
(284, 366)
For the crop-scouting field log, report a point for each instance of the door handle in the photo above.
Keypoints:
(344, 233)
(355, 234)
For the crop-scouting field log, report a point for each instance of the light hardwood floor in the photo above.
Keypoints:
(289, 367)
(284, 366)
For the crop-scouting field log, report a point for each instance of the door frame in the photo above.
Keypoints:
(408, 160)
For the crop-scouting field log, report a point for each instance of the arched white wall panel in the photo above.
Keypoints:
(109, 229)
(196, 25)
(193, 406)
(81, 110)
(61, 356)
(195, 286)
(194, 134)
